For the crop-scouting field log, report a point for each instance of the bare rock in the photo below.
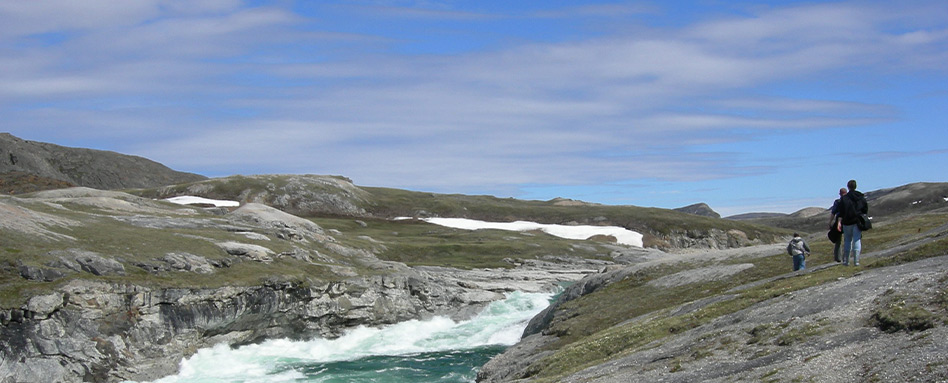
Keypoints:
(96, 264)
(40, 273)
(253, 252)
(43, 305)
(188, 262)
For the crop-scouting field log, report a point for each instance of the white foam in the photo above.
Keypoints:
(501, 323)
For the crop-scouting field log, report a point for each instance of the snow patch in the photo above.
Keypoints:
(188, 200)
(580, 232)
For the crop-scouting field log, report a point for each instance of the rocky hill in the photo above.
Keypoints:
(50, 164)
(884, 204)
(334, 196)
(740, 315)
(701, 209)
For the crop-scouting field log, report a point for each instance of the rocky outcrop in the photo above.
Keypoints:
(715, 239)
(882, 324)
(85, 167)
(99, 331)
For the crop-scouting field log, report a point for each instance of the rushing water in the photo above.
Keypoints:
(436, 350)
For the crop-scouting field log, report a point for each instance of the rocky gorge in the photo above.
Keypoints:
(100, 331)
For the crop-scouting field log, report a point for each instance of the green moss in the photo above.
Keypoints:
(896, 312)
(800, 334)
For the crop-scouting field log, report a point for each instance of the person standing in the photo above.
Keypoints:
(798, 249)
(850, 207)
(836, 233)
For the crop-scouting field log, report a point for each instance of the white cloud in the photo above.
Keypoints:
(58, 16)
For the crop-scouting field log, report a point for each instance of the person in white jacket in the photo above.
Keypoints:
(798, 249)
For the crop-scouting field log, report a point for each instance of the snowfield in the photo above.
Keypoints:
(581, 232)
(187, 200)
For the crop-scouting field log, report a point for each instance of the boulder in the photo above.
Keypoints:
(40, 273)
(96, 264)
(188, 262)
(246, 250)
(43, 305)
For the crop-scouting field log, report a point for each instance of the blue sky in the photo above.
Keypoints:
(747, 106)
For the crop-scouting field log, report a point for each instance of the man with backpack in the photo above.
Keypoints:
(851, 208)
(798, 249)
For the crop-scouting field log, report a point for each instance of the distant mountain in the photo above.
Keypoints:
(911, 199)
(908, 199)
(809, 212)
(56, 166)
(749, 216)
(701, 209)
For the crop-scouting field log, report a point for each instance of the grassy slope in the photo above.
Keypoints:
(657, 225)
(393, 202)
(599, 329)
(418, 243)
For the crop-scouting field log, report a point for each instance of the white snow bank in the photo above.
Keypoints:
(187, 200)
(582, 232)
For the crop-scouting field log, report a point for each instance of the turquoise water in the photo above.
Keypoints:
(435, 350)
(448, 366)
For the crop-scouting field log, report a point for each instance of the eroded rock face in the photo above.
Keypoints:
(710, 239)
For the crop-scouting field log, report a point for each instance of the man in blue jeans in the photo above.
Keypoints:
(850, 207)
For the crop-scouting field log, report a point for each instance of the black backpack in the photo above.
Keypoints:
(856, 208)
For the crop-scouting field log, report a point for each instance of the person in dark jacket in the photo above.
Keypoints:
(836, 231)
(850, 207)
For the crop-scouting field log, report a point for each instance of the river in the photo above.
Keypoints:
(435, 350)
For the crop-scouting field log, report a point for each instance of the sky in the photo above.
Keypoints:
(748, 106)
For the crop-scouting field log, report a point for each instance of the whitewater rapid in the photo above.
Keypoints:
(435, 350)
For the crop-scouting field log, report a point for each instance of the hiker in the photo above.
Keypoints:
(835, 231)
(851, 206)
(799, 250)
